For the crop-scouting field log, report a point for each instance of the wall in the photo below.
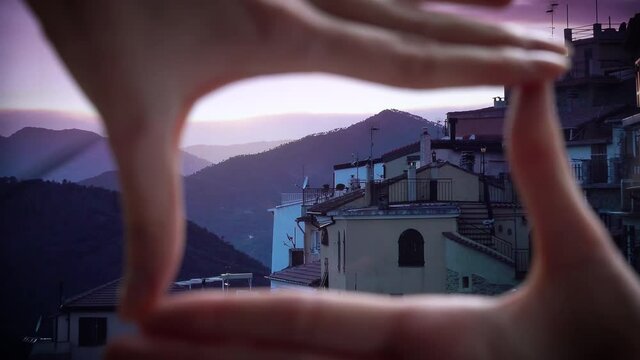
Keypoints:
(115, 327)
(579, 152)
(495, 163)
(371, 249)
(465, 261)
(465, 185)
(284, 222)
(397, 166)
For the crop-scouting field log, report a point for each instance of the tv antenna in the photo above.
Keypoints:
(552, 10)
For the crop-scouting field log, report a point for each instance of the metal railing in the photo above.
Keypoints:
(504, 193)
(414, 190)
(309, 196)
(605, 171)
(484, 236)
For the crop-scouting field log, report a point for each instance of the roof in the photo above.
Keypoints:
(582, 115)
(401, 151)
(304, 275)
(488, 112)
(428, 209)
(335, 203)
(478, 247)
(354, 164)
(587, 142)
(491, 143)
(102, 298)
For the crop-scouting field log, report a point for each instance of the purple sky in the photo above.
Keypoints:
(31, 77)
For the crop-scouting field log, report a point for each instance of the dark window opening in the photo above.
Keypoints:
(92, 331)
(465, 282)
(325, 237)
(411, 249)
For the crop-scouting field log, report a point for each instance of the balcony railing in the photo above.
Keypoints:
(309, 196)
(414, 190)
(589, 172)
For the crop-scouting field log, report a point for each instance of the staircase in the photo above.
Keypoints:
(470, 223)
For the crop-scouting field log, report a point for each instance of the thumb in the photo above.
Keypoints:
(567, 232)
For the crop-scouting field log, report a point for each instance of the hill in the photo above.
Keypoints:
(72, 154)
(232, 197)
(219, 153)
(65, 233)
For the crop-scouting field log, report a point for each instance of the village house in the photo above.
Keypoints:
(86, 322)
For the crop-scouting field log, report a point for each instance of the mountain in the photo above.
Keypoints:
(65, 233)
(219, 153)
(14, 120)
(70, 154)
(240, 131)
(232, 197)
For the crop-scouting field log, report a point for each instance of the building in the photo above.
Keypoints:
(429, 230)
(86, 322)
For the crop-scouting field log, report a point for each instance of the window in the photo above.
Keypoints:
(315, 242)
(411, 249)
(92, 331)
(466, 282)
(325, 237)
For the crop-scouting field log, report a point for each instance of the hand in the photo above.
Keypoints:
(144, 63)
(580, 300)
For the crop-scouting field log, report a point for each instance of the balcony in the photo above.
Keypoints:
(597, 172)
(414, 190)
(308, 196)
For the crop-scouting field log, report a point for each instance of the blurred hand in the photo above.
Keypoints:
(580, 301)
(144, 63)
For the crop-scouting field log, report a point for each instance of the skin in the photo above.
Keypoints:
(144, 63)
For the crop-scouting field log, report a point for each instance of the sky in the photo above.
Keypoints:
(32, 77)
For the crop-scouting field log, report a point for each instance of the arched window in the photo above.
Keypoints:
(411, 249)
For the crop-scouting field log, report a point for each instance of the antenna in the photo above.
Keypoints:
(597, 22)
(552, 10)
(567, 16)
(305, 183)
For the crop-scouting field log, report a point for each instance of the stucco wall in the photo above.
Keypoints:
(398, 166)
(467, 262)
(115, 327)
(371, 250)
(465, 185)
(284, 222)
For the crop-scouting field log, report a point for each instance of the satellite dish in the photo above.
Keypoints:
(306, 182)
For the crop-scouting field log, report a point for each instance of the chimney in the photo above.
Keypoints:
(425, 147)
(452, 129)
(296, 257)
(411, 184)
(499, 102)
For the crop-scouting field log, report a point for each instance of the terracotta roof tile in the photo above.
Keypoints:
(104, 297)
(305, 275)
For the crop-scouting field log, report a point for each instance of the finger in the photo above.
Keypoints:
(567, 232)
(469, 2)
(439, 27)
(396, 59)
(347, 324)
(142, 347)
(147, 158)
